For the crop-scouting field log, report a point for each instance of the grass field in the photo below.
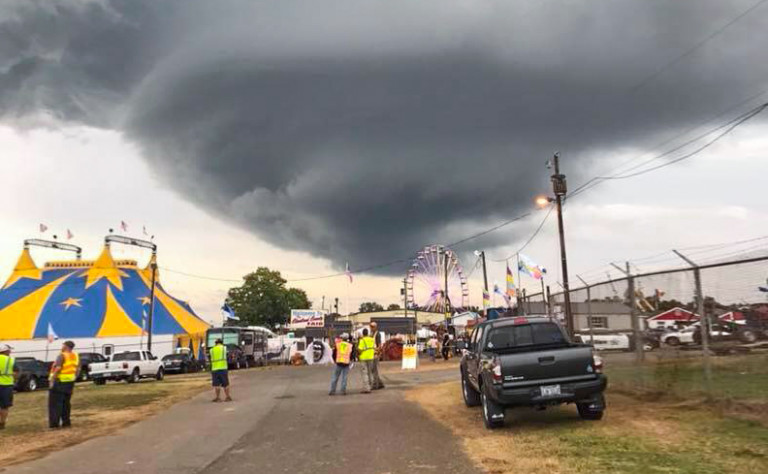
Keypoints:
(643, 431)
(96, 411)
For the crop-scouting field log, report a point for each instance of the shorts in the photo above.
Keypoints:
(6, 396)
(220, 378)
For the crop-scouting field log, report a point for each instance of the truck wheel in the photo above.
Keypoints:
(673, 341)
(589, 410)
(31, 384)
(135, 376)
(160, 374)
(493, 413)
(747, 336)
(471, 397)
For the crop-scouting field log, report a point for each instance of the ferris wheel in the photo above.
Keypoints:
(426, 281)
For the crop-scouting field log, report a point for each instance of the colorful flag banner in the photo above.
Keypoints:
(70, 235)
(531, 268)
(511, 290)
(124, 226)
(498, 291)
(486, 300)
(229, 313)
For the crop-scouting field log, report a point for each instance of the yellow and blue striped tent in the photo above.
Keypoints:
(82, 299)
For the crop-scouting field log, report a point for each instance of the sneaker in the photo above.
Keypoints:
(216, 400)
(330, 394)
(366, 391)
(343, 393)
(228, 399)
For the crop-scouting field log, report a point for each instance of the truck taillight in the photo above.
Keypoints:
(496, 370)
(597, 362)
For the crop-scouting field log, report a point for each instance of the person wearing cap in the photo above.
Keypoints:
(376, 383)
(342, 356)
(64, 372)
(8, 374)
(219, 371)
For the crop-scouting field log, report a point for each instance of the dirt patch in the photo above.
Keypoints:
(95, 412)
(635, 436)
(424, 366)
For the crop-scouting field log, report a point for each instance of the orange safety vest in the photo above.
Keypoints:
(68, 371)
(343, 352)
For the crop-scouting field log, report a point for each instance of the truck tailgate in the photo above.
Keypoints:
(538, 366)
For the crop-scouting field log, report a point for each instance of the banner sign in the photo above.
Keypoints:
(307, 318)
(410, 357)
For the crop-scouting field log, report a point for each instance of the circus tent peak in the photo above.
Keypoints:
(25, 268)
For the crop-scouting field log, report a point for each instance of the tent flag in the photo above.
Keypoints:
(528, 266)
(124, 226)
(229, 313)
(70, 235)
(511, 293)
(348, 272)
(51, 334)
(43, 228)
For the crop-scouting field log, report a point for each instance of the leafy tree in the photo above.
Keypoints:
(370, 307)
(263, 299)
(393, 307)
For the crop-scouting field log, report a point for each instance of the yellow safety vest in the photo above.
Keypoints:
(68, 372)
(343, 352)
(6, 370)
(367, 347)
(218, 358)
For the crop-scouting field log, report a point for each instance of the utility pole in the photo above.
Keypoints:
(560, 188)
(445, 293)
(336, 305)
(322, 305)
(405, 296)
(481, 254)
(153, 264)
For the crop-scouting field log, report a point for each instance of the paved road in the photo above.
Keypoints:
(282, 421)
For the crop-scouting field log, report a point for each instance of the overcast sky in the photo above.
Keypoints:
(301, 135)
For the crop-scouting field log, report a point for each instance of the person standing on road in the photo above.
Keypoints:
(8, 374)
(342, 356)
(64, 372)
(432, 348)
(219, 371)
(366, 349)
(446, 346)
(376, 382)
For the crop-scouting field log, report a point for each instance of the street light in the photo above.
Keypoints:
(559, 187)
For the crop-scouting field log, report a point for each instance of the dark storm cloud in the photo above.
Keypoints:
(361, 130)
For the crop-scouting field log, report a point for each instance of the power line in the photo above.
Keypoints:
(530, 239)
(696, 47)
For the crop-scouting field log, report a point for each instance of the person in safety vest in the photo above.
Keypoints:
(219, 374)
(8, 374)
(376, 382)
(342, 355)
(366, 350)
(64, 372)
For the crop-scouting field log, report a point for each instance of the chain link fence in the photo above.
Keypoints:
(695, 331)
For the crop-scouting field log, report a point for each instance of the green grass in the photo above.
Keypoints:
(733, 377)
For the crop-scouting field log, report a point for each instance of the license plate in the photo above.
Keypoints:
(550, 390)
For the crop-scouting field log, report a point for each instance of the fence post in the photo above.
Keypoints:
(549, 303)
(637, 336)
(704, 320)
(589, 311)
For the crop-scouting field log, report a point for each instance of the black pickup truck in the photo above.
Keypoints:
(529, 362)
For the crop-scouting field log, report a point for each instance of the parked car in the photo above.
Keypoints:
(692, 334)
(180, 363)
(529, 362)
(33, 374)
(87, 358)
(131, 366)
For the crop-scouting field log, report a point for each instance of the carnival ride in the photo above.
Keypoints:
(436, 282)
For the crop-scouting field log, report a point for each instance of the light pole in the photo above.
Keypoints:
(560, 188)
(481, 254)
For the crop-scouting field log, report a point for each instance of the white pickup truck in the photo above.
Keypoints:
(129, 366)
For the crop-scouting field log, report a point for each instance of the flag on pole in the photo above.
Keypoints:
(70, 235)
(144, 230)
(124, 226)
(51, 334)
(511, 291)
(348, 272)
(43, 228)
(531, 268)
(229, 313)
(498, 291)
(486, 300)
(144, 322)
